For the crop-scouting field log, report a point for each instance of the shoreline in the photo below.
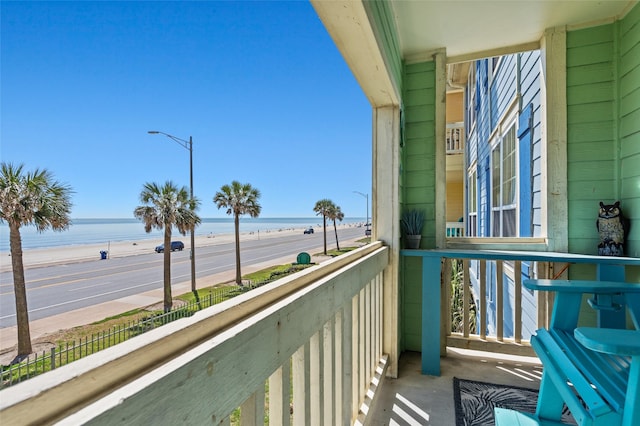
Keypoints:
(86, 252)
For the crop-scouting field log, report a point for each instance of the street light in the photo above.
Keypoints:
(367, 232)
(187, 145)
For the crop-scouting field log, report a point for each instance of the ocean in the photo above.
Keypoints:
(95, 231)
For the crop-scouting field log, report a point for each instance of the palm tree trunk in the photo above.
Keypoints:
(335, 230)
(236, 221)
(168, 300)
(324, 229)
(19, 288)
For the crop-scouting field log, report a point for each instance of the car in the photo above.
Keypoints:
(308, 231)
(175, 245)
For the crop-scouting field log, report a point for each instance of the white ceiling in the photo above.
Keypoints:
(465, 27)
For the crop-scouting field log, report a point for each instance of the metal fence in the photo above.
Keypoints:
(66, 352)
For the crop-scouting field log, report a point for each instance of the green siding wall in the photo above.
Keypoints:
(629, 132)
(591, 125)
(603, 127)
(417, 186)
(603, 132)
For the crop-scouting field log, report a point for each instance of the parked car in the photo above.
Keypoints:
(308, 231)
(175, 245)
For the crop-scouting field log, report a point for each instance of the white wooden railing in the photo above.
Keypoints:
(318, 333)
(455, 229)
(455, 138)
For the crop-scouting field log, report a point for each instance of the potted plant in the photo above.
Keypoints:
(412, 222)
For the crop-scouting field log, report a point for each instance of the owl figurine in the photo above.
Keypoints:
(613, 228)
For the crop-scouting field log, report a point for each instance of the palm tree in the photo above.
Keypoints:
(334, 213)
(322, 207)
(165, 207)
(30, 198)
(238, 199)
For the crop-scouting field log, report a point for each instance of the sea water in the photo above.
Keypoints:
(95, 231)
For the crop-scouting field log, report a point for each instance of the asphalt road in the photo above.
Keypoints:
(57, 289)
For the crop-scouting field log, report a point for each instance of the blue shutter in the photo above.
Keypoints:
(525, 175)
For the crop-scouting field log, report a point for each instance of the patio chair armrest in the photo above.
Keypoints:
(582, 286)
(609, 340)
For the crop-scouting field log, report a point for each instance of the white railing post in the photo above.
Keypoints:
(252, 410)
(329, 373)
(349, 373)
(499, 301)
(466, 294)
(355, 354)
(483, 300)
(339, 378)
(279, 405)
(316, 387)
(517, 320)
(301, 415)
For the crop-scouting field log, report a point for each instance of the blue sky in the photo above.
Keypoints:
(260, 87)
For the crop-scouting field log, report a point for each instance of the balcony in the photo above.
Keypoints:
(309, 344)
(455, 138)
(307, 349)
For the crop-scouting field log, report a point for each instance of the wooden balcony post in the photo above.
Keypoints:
(252, 410)
(279, 406)
(329, 373)
(301, 412)
(316, 388)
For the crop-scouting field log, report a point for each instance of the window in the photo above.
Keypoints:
(504, 185)
(472, 97)
(472, 203)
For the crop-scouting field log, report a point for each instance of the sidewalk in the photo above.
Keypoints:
(42, 327)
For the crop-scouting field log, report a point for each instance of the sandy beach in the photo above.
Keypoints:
(84, 252)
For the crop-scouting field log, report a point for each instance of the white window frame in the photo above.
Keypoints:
(472, 201)
(497, 143)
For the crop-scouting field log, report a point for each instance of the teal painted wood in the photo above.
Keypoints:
(558, 368)
(601, 364)
(505, 417)
(430, 319)
(622, 342)
(429, 283)
(539, 256)
(582, 286)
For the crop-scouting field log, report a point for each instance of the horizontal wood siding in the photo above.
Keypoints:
(629, 91)
(418, 186)
(591, 132)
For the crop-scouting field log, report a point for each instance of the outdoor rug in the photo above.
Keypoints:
(475, 401)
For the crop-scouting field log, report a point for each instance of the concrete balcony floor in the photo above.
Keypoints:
(416, 399)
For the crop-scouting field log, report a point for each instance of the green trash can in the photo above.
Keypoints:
(303, 258)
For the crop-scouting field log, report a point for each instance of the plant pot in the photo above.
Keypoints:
(413, 241)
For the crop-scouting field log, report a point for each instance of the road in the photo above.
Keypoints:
(57, 289)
